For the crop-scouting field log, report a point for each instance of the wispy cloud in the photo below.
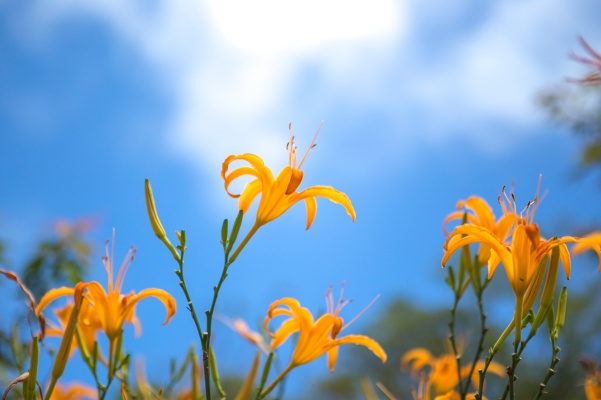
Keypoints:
(238, 77)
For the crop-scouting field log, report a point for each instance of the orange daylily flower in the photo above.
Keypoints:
(592, 241)
(113, 308)
(315, 337)
(592, 384)
(443, 376)
(481, 214)
(88, 325)
(521, 257)
(278, 194)
(73, 391)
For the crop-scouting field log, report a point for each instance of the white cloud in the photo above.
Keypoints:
(237, 69)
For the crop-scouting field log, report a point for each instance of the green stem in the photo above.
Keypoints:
(550, 371)
(483, 331)
(249, 235)
(227, 261)
(205, 350)
(277, 380)
(515, 360)
(519, 307)
(452, 339)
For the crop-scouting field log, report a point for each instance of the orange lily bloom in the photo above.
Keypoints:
(443, 376)
(592, 241)
(315, 337)
(278, 194)
(521, 257)
(481, 214)
(113, 309)
(88, 325)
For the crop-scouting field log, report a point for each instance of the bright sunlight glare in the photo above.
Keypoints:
(273, 26)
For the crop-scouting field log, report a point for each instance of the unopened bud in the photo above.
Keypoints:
(560, 318)
(155, 222)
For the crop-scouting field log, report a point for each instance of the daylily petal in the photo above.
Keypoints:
(591, 241)
(236, 173)
(332, 358)
(310, 344)
(52, 295)
(165, 298)
(311, 204)
(288, 327)
(329, 193)
(251, 190)
(363, 341)
(263, 173)
(417, 359)
(478, 234)
(107, 315)
(273, 203)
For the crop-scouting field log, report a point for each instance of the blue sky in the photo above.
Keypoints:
(424, 104)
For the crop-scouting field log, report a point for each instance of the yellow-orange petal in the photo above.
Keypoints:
(250, 192)
(365, 341)
(287, 328)
(479, 234)
(591, 241)
(311, 205)
(236, 173)
(52, 295)
(481, 209)
(416, 359)
(274, 201)
(332, 358)
(327, 192)
(164, 297)
(99, 299)
(264, 173)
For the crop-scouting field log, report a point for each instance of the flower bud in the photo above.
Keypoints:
(155, 222)
(560, 318)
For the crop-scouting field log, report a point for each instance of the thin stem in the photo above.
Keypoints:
(227, 261)
(480, 349)
(205, 351)
(452, 339)
(550, 371)
(479, 394)
(515, 360)
(243, 243)
(277, 380)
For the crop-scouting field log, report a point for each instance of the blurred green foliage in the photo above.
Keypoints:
(578, 107)
(403, 326)
(61, 258)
